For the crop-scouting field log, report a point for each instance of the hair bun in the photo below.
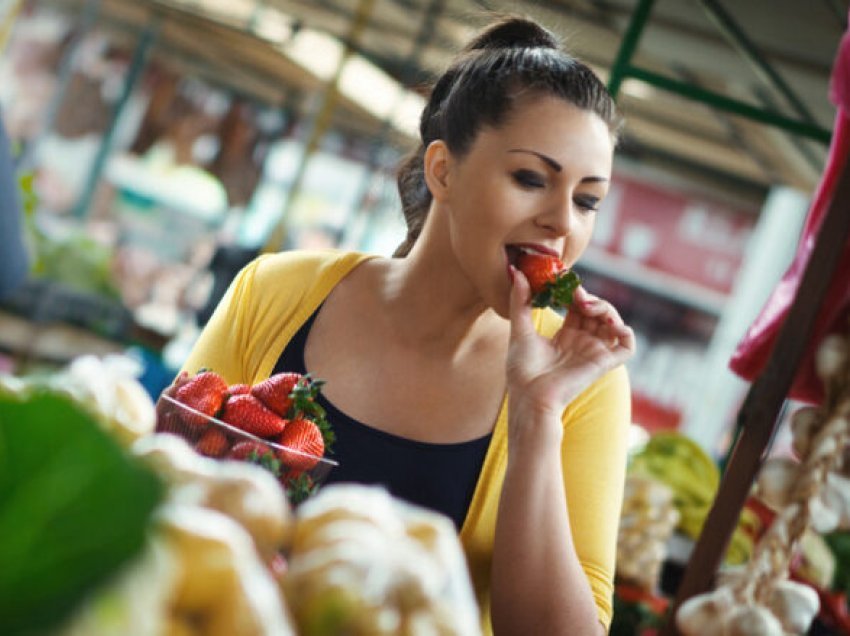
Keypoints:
(514, 32)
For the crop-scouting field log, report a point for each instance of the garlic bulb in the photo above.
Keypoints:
(776, 481)
(704, 614)
(836, 496)
(823, 518)
(804, 424)
(795, 605)
(752, 620)
(831, 356)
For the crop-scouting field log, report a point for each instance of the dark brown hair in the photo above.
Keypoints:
(512, 56)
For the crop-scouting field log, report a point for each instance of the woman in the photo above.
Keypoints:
(442, 383)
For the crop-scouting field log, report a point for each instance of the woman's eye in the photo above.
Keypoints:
(587, 204)
(529, 179)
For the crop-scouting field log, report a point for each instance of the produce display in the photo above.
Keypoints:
(809, 491)
(364, 563)
(647, 521)
(276, 423)
(681, 464)
(552, 284)
(144, 535)
(74, 508)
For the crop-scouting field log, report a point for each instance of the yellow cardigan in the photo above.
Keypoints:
(273, 296)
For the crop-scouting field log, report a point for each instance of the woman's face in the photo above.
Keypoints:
(533, 183)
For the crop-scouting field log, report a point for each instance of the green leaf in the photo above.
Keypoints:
(558, 294)
(300, 488)
(74, 507)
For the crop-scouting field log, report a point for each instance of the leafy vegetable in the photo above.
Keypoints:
(839, 544)
(73, 509)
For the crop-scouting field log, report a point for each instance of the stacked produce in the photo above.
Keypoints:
(106, 387)
(275, 423)
(363, 563)
(646, 523)
(200, 546)
(811, 492)
(681, 464)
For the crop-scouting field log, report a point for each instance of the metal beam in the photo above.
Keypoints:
(722, 102)
(747, 48)
(318, 125)
(622, 63)
(137, 65)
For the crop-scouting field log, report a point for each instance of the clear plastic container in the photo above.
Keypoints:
(299, 473)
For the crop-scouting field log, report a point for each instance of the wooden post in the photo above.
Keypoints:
(757, 418)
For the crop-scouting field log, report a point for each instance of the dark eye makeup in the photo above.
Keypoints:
(587, 203)
(529, 178)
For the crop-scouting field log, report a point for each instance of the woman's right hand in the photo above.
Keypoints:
(545, 374)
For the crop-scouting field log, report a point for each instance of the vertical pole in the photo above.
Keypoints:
(137, 65)
(426, 30)
(318, 126)
(8, 21)
(757, 418)
(619, 70)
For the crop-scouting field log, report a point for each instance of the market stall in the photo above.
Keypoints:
(164, 145)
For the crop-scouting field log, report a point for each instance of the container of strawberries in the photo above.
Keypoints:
(276, 423)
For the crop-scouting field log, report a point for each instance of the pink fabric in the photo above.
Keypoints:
(754, 349)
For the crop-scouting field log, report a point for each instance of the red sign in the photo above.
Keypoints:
(693, 239)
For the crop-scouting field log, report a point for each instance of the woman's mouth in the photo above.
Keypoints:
(513, 250)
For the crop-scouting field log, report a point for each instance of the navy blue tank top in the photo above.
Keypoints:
(440, 477)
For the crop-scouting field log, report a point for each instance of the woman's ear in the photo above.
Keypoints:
(437, 163)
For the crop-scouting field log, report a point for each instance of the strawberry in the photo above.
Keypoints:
(249, 449)
(165, 423)
(275, 391)
(238, 389)
(304, 444)
(213, 443)
(248, 414)
(298, 486)
(552, 285)
(204, 393)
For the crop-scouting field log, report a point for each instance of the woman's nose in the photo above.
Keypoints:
(557, 219)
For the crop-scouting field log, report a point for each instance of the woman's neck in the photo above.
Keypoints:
(432, 304)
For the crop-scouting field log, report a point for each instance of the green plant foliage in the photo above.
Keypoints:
(74, 507)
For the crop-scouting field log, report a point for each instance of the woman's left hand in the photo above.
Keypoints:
(543, 374)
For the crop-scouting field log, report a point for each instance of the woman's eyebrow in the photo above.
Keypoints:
(594, 180)
(555, 165)
(546, 159)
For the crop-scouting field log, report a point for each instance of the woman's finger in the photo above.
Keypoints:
(520, 311)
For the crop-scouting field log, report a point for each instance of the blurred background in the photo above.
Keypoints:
(161, 144)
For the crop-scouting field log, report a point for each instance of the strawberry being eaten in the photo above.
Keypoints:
(552, 284)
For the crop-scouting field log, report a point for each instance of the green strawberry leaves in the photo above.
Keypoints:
(558, 294)
(304, 403)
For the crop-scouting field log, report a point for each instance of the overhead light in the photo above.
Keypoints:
(272, 25)
(381, 95)
(360, 81)
(638, 89)
(407, 114)
(317, 52)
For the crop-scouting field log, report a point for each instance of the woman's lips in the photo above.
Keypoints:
(532, 247)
